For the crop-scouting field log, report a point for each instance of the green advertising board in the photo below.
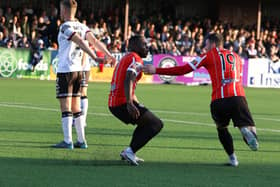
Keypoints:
(15, 63)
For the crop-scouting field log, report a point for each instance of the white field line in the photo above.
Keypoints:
(259, 117)
(210, 125)
(109, 115)
(208, 114)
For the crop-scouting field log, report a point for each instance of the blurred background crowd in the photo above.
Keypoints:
(26, 27)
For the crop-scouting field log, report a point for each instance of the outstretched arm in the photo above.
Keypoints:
(83, 45)
(178, 70)
(100, 46)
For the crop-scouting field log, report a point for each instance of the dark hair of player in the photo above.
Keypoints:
(134, 42)
(215, 38)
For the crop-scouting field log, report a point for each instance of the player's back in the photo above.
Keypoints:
(225, 69)
(117, 94)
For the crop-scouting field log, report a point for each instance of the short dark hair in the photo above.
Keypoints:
(69, 3)
(215, 38)
(133, 41)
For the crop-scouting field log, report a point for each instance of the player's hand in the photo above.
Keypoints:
(133, 111)
(99, 60)
(110, 59)
(149, 69)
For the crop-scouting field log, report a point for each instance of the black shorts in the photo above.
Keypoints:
(85, 78)
(235, 108)
(122, 114)
(68, 84)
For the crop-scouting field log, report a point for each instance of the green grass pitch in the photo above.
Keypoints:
(186, 153)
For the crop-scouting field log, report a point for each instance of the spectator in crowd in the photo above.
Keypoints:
(42, 30)
(9, 43)
(1, 39)
(261, 52)
(273, 54)
(37, 54)
(251, 50)
(106, 39)
(95, 29)
(227, 42)
(25, 26)
(9, 15)
(3, 27)
(241, 52)
(24, 43)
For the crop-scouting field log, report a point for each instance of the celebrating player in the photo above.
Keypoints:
(71, 46)
(124, 104)
(228, 96)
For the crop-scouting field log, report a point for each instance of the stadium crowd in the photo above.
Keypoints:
(23, 28)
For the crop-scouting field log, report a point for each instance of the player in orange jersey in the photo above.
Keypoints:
(124, 104)
(228, 97)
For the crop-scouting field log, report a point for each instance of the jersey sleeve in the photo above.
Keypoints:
(135, 66)
(198, 61)
(67, 31)
(181, 70)
(178, 70)
(86, 30)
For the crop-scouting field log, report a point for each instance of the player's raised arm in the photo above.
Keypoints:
(100, 46)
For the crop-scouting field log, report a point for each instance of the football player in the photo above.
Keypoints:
(124, 104)
(71, 40)
(228, 96)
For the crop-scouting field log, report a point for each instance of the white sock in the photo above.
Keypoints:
(233, 156)
(244, 129)
(128, 149)
(244, 132)
(80, 128)
(67, 128)
(84, 108)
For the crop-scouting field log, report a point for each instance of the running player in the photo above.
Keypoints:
(124, 104)
(228, 96)
(71, 46)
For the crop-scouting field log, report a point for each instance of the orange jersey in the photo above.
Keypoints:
(130, 62)
(224, 67)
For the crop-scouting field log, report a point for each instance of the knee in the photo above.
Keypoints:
(160, 124)
(84, 92)
(221, 128)
(223, 131)
(157, 126)
(75, 109)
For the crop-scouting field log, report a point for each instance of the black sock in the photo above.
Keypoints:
(66, 114)
(84, 97)
(144, 133)
(226, 140)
